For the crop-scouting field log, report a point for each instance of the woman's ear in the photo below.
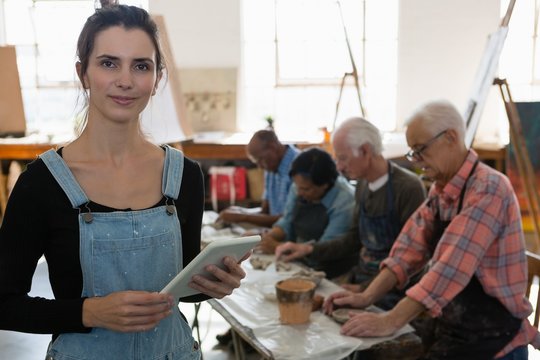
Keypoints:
(78, 68)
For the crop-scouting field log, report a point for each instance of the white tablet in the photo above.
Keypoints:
(213, 253)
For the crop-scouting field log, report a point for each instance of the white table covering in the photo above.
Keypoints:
(253, 306)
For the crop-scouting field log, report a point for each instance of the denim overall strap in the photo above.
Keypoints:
(65, 178)
(139, 250)
(172, 175)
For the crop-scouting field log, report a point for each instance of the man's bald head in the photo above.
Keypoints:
(265, 150)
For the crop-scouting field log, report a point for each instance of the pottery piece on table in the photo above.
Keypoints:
(342, 315)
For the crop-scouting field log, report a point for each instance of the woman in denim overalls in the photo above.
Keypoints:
(124, 191)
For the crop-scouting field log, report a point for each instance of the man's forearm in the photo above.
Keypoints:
(381, 285)
(335, 249)
(260, 219)
(405, 310)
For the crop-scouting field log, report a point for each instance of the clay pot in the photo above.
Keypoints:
(295, 300)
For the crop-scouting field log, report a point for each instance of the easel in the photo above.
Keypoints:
(523, 160)
(483, 82)
(353, 74)
(484, 76)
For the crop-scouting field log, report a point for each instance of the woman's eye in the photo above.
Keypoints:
(107, 63)
(142, 67)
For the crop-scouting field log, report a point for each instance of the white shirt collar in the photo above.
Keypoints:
(379, 183)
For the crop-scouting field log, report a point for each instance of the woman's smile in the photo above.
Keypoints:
(123, 100)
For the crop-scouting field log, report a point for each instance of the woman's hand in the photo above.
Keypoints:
(268, 243)
(290, 251)
(226, 281)
(127, 311)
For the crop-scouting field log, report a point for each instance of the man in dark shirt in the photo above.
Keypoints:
(386, 195)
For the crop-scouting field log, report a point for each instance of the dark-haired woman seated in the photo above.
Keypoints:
(319, 207)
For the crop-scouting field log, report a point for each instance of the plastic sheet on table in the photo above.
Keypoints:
(317, 340)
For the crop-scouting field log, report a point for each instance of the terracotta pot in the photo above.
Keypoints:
(295, 300)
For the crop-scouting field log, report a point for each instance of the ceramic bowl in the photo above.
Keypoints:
(342, 315)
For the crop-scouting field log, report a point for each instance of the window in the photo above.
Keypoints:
(294, 56)
(45, 35)
(523, 71)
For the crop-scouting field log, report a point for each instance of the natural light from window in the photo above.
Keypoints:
(297, 83)
(522, 72)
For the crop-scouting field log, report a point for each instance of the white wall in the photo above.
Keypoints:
(203, 33)
(440, 46)
(2, 25)
(441, 43)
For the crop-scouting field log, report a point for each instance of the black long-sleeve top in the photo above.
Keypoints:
(39, 220)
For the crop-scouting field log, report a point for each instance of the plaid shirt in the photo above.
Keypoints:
(485, 239)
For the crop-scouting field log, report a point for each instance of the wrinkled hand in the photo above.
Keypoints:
(345, 299)
(368, 324)
(227, 280)
(268, 244)
(290, 251)
(127, 311)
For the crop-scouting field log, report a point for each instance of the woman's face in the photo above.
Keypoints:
(121, 75)
(308, 190)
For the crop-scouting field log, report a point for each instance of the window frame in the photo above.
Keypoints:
(281, 81)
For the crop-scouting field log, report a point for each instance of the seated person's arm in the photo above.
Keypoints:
(236, 215)
(290, 250)
(374, 324)
(377, 289)
(370, 324)
(271, 240)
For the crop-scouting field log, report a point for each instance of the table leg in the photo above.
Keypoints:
(238, 347)
(3, 194)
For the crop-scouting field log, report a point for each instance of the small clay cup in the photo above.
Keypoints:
(295, 298)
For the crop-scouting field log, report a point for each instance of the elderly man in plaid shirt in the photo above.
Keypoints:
(469, 233)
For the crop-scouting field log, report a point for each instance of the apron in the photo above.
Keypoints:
(474, 325)
(377, 235)
(127, 250)
(309, 220)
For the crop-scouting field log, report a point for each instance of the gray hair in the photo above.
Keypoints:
(437, 116)
(359, 131)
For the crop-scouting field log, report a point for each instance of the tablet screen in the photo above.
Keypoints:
(213, 253)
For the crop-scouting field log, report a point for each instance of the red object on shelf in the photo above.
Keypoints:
(227, 183)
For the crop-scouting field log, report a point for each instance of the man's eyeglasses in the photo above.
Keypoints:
(416, 155)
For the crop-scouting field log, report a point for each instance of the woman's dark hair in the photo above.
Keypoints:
(129, 17)
(315, 164)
